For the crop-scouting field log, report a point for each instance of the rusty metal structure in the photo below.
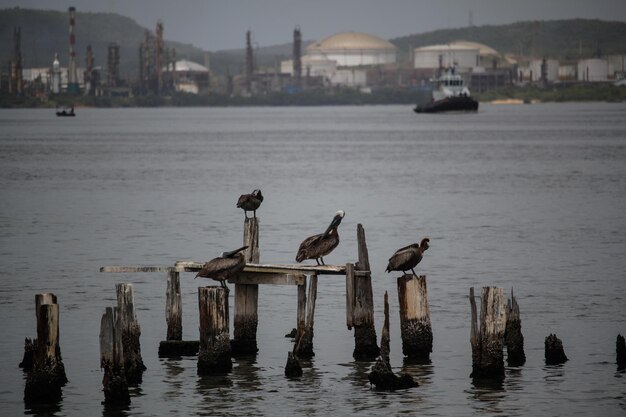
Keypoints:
(159, 57)
(89, 76)
(16, 81)
(249, 62)
(72, 75)
(113, 65)
(297, 56)
(157, 64)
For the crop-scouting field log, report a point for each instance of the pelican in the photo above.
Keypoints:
(227, 265)
(317, 246)
(250, 202)
(407, 257)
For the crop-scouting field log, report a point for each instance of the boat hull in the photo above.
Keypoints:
(449, 104)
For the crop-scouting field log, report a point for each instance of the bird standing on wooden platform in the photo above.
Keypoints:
(408, 257)
(226, 266)
(317, 246)
(250, 202)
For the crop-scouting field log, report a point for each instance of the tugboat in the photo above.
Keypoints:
(450, 95)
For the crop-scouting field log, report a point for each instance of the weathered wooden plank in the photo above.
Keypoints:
(174, 307)
(129, 269)
(415, 326)
(272, 279)
(488, 339)
(350, 295)
(191, 266)
(131, 333)
(214, 351)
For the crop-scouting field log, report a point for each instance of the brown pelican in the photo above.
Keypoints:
(407, 257)
(250, 202)
(317, 246)
(227, 265)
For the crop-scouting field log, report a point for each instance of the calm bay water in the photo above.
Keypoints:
(525, 197)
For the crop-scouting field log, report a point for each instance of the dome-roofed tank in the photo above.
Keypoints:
(353, 49)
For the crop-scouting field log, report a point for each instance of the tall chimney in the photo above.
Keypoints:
(72, 76)
(297, 56)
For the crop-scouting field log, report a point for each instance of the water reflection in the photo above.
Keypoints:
(486, 395)
(173, 370)
(554, 374)
(246, 372)
(109, 410)
(358, 374)
(42, 409)
(420, 371)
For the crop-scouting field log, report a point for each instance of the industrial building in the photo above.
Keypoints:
(463, 57)
(593, 70)
(352, 49)
(189, 76)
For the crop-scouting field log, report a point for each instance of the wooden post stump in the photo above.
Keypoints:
(488, 343)
(47, 376)
(415, 326)
(175, 345)
(112, 359)
(131, 332)
(215, 352)
(382, 375)
(247, 296)
(621, 352)
(513, 334)
(304, 337)
(360, 303)
(30, 345)
(554, 353)
(293, 369)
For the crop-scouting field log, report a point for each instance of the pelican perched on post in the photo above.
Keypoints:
(227, 265)
(407, 257)
(250, 202)
(317, 246)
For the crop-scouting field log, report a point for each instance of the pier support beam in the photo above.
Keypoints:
(415, 325)
(488, 342)
(304, 333)
(175, 345)
(360, 303)
(112, 359)
(620, 352)
(247, 296)
(513, 334)
(554, 353)
(47, 376)
(215, 352)
(131, 332)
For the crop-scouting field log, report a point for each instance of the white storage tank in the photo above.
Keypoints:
(594, 69)
(351, 49)
(552, 69)
(461, 56)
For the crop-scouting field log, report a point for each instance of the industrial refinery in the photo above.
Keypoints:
(363, 62)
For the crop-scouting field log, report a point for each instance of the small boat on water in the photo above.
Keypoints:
(450, 95)
(65, 112)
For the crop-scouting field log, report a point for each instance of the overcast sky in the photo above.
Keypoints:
(221, 24)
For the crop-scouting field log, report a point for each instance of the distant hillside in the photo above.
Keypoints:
(46, 32)
(562, 39)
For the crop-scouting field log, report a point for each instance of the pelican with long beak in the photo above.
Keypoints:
(250, 202)
(408, 257)
(317, 246)
(226, 266)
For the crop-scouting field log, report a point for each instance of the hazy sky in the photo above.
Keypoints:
(214, 25)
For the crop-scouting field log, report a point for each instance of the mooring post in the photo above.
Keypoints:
(112, 359)
(174, 307)
(415, 326)
(131, 332)
(215, 351)
(47, 376)
(301, 311)
(304, 336)
(247, 296)
(554, 353)
(488, 342)
(382, 375)
(513, 335)
(30, 346)
(362, 304)
(620, 350)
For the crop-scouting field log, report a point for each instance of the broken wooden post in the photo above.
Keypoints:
(382, 375)
(554, 353)
(415, 326)
(175, 345)
(304, 338)
(112, 359)
(30, 345)
(247, 296)
(133, 363)
(488, 342)
(513, 334)
(293, 368)
(215, 352)
(361, 306)
(47, 376)
(621, 352)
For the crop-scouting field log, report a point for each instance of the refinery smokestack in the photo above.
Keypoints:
(72, 74)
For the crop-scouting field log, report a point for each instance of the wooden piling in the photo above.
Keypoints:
(415, 326)
(554, 353)
(362, 304)
(214, 356)
(382, 375)
(30, 345)
(304, 337)
(247, 296)
(112, 359)
(621, 352)
(174, 346)
(131, 332)
(47, 376)
(488, 342)
(513, 334)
